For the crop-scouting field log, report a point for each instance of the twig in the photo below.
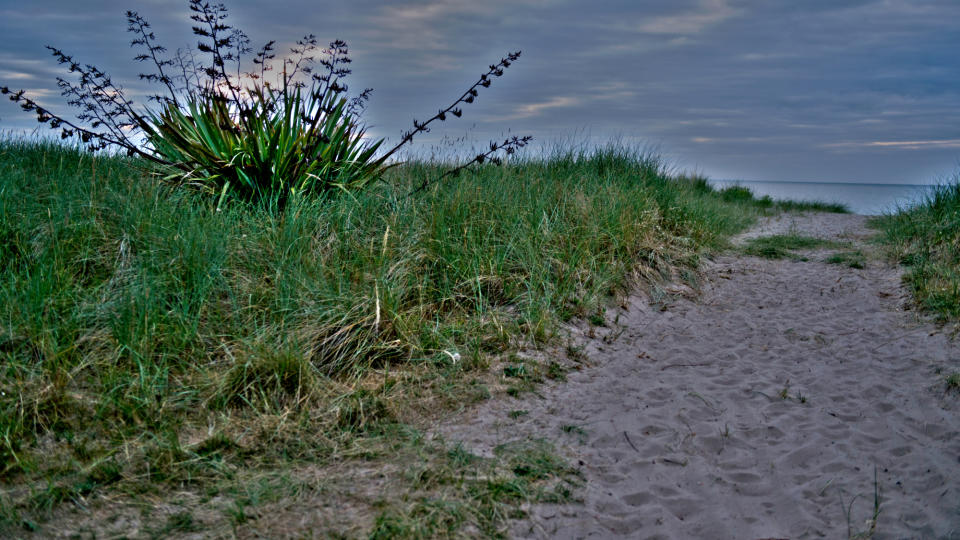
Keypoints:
(508, 145)
(627, 437)
(496, 70)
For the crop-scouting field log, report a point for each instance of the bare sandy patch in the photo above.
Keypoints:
(786, 401)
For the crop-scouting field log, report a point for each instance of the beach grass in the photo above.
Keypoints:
(953, 381)
(926, 239)
(782, 246)
(738, 193)
(852, 259)
(154, 344)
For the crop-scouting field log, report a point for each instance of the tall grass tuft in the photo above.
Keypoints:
(926, 239)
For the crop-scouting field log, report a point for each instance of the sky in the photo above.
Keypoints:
(755, 90)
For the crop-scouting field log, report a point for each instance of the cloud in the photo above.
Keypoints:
(534, 109)
(429, 14)
(707, 13)
(529, 110)
(44, 97)
(21, 62)
(47, 14)
(434, 13)
(899, 145)
(14, 75)
(613, 91)
(769, 57)
(728, 140)
(426, 26)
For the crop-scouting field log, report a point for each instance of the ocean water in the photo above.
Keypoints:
(868, 199)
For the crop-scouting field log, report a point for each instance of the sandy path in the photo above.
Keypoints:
(681, 430)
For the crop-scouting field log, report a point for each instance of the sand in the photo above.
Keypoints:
(770, 405)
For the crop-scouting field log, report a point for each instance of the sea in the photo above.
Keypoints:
(867, 199)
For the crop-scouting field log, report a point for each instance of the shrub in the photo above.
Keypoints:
(736, 194)
(234, 135)
(926, 239)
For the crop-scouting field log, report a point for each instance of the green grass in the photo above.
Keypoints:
(151, 341)
(953, 381)
(853, 259)
(782, 246)
(447, 492)
(742, 194)
(926, 239)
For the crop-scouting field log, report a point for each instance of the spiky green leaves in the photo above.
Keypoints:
(280, 145)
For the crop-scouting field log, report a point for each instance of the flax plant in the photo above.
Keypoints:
(285, 146)
(234, 134)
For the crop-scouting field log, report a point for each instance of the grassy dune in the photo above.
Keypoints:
(926, 239)
(150, 342)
